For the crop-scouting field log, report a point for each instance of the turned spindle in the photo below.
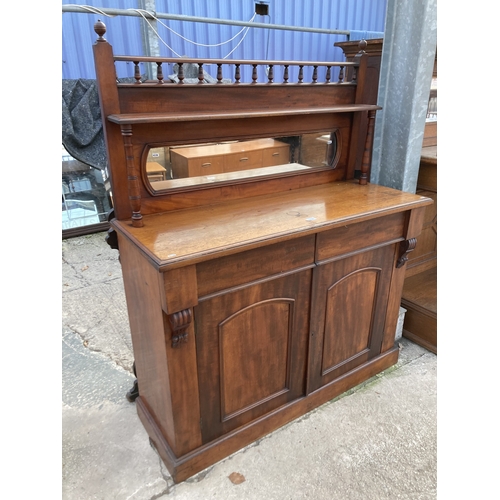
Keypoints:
(254, 73)
(180, 73)
(354, 77)
(285, 74)
(201, 76)
(341, 74)
(159, 72)
(270, 74)
(301, 73)
(137, 72)
(134, 190)
(315, 74)
(367, 154)
(328, 74)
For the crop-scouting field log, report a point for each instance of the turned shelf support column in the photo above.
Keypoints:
(134, 192)
(367, 154)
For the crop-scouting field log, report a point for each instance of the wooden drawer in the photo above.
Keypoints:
(183, 166)
(357, 237)
(242, 160)
(234, 270)
(276, 156)
(206, 166)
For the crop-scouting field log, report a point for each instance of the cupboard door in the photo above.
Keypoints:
(251, 350)
(349, 304)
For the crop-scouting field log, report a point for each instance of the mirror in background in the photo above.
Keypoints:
(199, 164)
(86, 197)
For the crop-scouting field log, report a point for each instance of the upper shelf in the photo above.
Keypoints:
(136, 118)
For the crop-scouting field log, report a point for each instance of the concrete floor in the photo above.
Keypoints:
(377, 441)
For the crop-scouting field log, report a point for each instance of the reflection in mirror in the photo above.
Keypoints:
(199, 164)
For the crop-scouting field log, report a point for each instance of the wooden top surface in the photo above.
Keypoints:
(226, 148)
(173, 239)
(154, 166)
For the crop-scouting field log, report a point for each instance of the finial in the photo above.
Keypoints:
(100, 29)
(362, 45)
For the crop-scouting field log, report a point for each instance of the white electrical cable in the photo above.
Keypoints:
(94, 10)
(142, 13)
(201, 44)
(239, 43)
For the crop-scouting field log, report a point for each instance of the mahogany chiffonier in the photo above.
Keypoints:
(254, 294)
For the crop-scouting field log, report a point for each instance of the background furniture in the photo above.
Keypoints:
(84, 197)
(252, 299)
(219, 158)
(420, 288)
(155, 171)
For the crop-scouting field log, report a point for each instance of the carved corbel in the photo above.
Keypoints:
(405, 247)
(179, 323)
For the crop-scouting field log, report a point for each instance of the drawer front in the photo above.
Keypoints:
(207, 165)
(245, 267)
(356, 237)
(276, 156)
(242, 161)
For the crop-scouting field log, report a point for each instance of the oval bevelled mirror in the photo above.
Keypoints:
(194, 165)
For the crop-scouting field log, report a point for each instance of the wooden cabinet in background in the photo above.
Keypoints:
(420, 288)
(222, 158)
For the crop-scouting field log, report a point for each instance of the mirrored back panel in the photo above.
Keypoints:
(191, 165)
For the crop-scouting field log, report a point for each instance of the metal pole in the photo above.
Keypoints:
(150, 42)
(405, 81)
(210, 20)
